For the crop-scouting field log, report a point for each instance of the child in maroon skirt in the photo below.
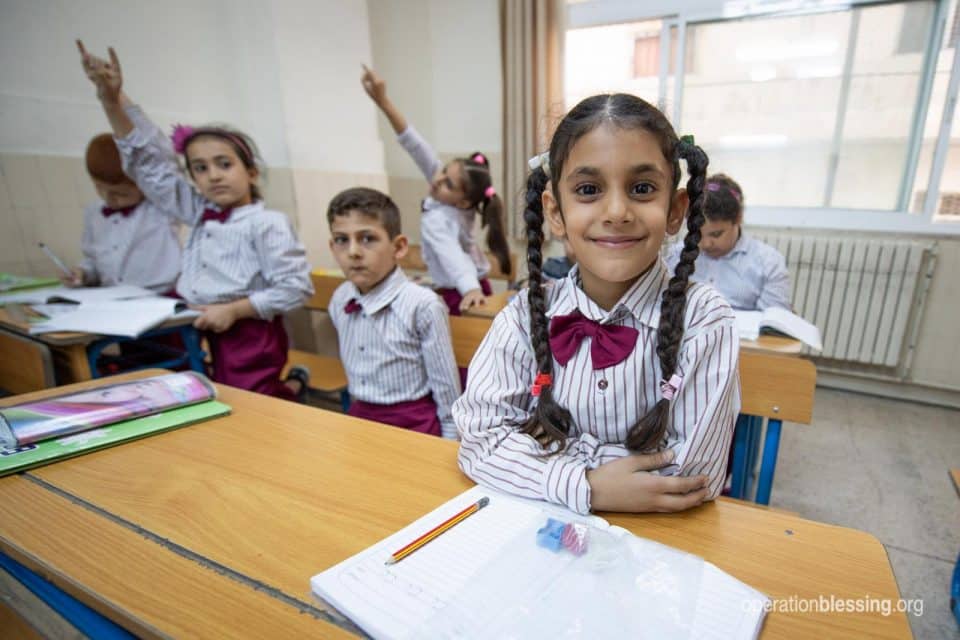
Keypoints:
(394, 335)
(243, 266)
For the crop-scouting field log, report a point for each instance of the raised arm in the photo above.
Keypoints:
(147, 155)
(376, 88)
(408, 137)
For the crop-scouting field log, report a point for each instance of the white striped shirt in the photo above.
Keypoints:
(752, 276)
(444, 228)
(255, 254)
(398, 347)
(604, 403)
(141, 249)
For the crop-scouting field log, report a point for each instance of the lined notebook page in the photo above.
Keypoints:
(486, 578)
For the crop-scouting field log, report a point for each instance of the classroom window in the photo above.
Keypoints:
(816, 110)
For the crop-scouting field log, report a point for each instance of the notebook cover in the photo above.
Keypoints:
(41, 453)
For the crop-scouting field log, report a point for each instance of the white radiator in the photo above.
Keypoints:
(866, 295)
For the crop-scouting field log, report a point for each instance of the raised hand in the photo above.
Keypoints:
(106, 76)
(374, 85)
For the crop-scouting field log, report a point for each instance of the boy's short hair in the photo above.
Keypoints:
(103, 160)
(371, 202)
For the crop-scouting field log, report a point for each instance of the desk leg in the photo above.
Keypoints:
(770, 448)
(195, 354)
(753, 448)
(74, 358)
(741, 455)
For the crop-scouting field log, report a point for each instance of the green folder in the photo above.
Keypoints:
(41, 453)
(11, 282)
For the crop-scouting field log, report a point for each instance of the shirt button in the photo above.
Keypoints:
(602, 385)
(204, 265)
(361, 348)
(208, 234)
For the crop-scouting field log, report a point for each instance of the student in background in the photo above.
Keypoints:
(558, 267)
(750, 274)
(126, 239)
(394, 335)
(615, 389)
(459, 190)
(243, 266)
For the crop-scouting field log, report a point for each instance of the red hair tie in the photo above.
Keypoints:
(542, 380)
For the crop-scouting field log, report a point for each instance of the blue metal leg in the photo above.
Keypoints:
(195, 355)
(741, 442)
(345, 400)
(753, 447)
(770, 448)
(85, 619)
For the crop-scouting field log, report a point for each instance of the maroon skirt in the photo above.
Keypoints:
(415, 415)
(251, 355)
(452, 297)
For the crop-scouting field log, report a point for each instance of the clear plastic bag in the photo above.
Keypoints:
(619, 586)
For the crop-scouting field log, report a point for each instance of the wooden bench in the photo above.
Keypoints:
(413, 261)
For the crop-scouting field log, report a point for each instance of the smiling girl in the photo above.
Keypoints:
(615, 388)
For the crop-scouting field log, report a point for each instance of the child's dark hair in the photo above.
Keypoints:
(551, 422)
(478, 187)
(241, 143)
(370, 202)
(724, 199)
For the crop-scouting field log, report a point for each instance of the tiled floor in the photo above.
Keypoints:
(881, 466)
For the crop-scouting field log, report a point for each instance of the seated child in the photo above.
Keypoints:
(394, 335)
(126, 240)
(750, 274)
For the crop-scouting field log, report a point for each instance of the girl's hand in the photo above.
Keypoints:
(75, 279)
(374, 85)
(472, 298)
(215, 317)
(107, 76)
(624, 485)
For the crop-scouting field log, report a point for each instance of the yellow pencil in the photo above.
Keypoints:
(437, 530)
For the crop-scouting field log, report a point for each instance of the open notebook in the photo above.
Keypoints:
(128, 318)
(487, 578)
(750, 324)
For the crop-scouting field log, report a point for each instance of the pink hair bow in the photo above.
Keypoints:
(489, 192)
(479, 158)
(669, 387)
(181, 133)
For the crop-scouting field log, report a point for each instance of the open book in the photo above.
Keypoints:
(487, 578)
(75, 294)
(751, 324)
(128, 318)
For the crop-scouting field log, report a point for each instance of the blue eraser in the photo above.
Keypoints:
(549, 536)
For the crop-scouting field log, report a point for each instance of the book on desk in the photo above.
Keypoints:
(42, 431)
(777, 321)
(488, 578)
(126, 318)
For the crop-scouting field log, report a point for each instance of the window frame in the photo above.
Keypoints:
(680, 14)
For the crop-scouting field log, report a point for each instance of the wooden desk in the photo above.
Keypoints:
(69, 349)
(493, 306)
(144, 532)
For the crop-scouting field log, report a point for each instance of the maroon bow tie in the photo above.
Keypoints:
(352, 306)
(124, 211)
(610, 343)
(213, 214)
